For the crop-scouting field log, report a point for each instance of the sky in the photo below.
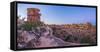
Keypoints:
(51, 14)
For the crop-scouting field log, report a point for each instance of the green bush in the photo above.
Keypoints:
(29, 25)
(88, 39)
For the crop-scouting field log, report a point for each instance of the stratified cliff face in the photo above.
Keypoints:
(33, 14)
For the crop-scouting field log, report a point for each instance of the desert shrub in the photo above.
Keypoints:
(29, 25)
(88, 39)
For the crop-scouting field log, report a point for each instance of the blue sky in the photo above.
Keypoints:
(60, 14)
